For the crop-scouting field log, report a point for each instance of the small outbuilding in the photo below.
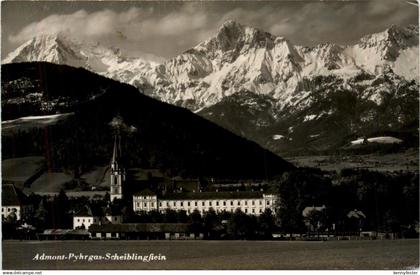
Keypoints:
(86, 216)
(168, 231)
(15, 203)
(64, 234)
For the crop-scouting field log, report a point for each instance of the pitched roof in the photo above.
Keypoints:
(212, 195)
(88, 211)
(356, 214)
(116, 154)
(10, 195)
(146, 174)
(64, 232)
(84, 212)
(109, 211)
(145, 192)
(309, 209)
(141, 227)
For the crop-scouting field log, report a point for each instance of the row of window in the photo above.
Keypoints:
(94, 220)
(88, 220)
(153, 198)
(246, 210)
(8, 209)
(174, 203)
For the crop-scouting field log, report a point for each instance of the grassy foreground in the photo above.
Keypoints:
(398, 254)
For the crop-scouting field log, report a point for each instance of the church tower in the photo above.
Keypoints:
(117, 171)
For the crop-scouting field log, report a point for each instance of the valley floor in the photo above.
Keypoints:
(405, 161)
(387, 254)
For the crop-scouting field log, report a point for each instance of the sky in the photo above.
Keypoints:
(162, 29)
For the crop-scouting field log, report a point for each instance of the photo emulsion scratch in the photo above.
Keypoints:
(210, 135)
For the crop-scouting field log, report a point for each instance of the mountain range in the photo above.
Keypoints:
(290, 99)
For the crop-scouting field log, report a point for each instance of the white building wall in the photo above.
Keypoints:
(116, 185)
(113, 219)
(6, 210)
(254, 206)
(145, 203)
(87, 221)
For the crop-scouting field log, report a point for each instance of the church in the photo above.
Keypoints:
(249, 202)
(105, 224)
(118, 174)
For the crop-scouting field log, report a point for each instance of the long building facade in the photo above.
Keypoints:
(249, 202)
(254, 203)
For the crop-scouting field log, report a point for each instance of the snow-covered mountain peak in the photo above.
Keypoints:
(404, 36)
(50, 39)
(389, 42)
(230, 28)
(235, 37)
(396, 47)
(55, 48)
(239, 57)
(61, 49)
(236, 58)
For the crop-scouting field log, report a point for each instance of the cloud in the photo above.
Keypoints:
(134, 24)
(80, 24)
(170, 31)
(132, 29)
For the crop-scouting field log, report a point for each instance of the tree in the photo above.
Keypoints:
(196, 222)
(411, 199)
(170, 216)
(11, 218)
(155, 216)
(289, 206)
(317, 219)
(61, 213)
(195, 217)
(107, 197)
(266, 224)
(242, 226)
(211, 223)
(181, 216)
(41, 215)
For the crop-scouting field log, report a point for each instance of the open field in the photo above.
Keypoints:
(406, 161)
(397, 254)
(20, 170)
(30, 174)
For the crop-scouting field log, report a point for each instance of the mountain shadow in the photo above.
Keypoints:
(154, 134)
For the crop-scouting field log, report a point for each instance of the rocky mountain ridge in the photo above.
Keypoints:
(265, 88)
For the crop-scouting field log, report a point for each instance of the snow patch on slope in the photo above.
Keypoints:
(34, 121)
(382, 140)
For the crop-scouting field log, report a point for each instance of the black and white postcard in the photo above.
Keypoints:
(210, 135)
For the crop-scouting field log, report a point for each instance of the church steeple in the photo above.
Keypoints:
(116, 155)
(117, 171)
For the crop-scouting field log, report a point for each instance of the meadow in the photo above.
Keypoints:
(385, 254)
(400, 161)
